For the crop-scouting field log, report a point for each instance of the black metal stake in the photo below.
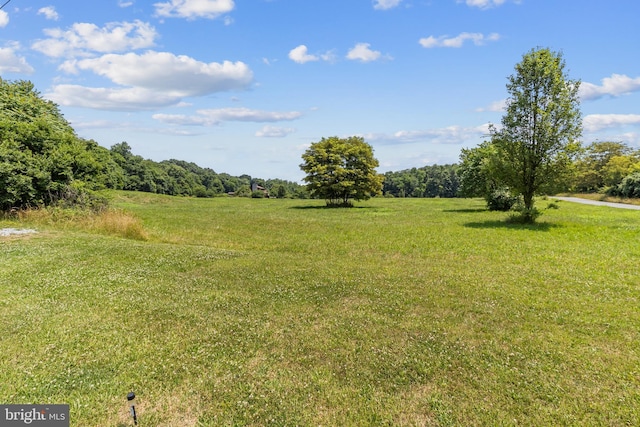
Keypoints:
(131, 398)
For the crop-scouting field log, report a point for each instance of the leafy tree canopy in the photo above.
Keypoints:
(341, 169)
(39, 151)
(476, 176)
(604, 164)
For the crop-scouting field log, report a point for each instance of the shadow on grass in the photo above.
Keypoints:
(538, 226)
(337, 208)
(471, 210)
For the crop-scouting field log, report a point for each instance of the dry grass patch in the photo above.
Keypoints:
(115, 222)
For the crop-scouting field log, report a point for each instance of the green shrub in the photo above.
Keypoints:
(243, 191)
(629, 187)
(501, 200)
(77, 195)
(339, 204)
(525, 216)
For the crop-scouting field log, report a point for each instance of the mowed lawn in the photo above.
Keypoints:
(408, 312)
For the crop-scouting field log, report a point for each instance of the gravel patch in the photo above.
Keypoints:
(14, 231)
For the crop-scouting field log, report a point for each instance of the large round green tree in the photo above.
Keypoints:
(341, 169)
(541, 127)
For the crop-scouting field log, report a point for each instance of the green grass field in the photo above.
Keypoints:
(409, 312)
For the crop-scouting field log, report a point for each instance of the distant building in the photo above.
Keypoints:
(255, 187)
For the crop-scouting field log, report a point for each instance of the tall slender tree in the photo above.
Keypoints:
(540, 130)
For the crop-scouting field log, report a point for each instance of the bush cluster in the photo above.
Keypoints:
(629, 187)
(501, 200)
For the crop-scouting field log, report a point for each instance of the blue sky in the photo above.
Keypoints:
(244, 86)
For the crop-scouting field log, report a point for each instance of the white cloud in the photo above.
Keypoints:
(616, 85)
(385, 4)
(483, 4)
(455, 42)
(97, 124)
(123, 3)
(274, 132)
(49, 12)
(328, 56)
(4, 19)
(82, 38)
(631, 138)
(299, 54)
(178, 76)
(597, 122)
(166, 80)
(115, 99)
(447, 135)
(192, 9)
(362, 52)
(130, 126)
(12, 63)
(496, 107)
(212, 117)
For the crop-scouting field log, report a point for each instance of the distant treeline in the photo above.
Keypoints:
(427, 181)
(181, 178)
(43, 161)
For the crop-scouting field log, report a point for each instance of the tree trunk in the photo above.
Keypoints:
(528, 201)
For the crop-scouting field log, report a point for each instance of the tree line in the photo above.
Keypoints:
(426, 181)
(43, 161)
(181, 178)
(536, 151)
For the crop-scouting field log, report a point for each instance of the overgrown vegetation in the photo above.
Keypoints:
(396, 312)
(629, 187)
(108, 220)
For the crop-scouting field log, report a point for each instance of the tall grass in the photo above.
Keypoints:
(116, 222)
(282, 312)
